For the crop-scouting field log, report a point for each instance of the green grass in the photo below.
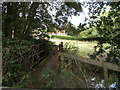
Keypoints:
(85, 47)
(90, 38)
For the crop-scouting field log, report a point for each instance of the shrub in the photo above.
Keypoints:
(70, 48)
(21, 57)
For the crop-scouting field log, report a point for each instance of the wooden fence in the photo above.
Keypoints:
(105, 65)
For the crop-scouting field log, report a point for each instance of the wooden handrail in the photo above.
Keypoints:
(104, 65)
(110, 66)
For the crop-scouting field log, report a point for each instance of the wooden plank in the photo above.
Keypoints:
(113, 66)
(93, 62)
(85, 60)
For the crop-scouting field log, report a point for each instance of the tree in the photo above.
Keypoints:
(71, 29)
(108, 27)
(21, 18)
(20, 21)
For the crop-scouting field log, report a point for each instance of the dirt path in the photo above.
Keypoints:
(52, 62)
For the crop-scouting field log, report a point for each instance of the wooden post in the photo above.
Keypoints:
(61, 47)
(1, 69)
(105, 69)
(118, 74)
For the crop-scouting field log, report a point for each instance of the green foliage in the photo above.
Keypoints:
(22, 53)
(108, 28)
(75, 75)
(48, 77)
(70, 48)
(20, 57)
(87, 33)
(15, 42)
(64, 79)
(74, 31)
(66, 37)
(21, 18)
(71, 29)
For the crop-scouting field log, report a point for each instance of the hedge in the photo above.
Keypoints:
(76, 38)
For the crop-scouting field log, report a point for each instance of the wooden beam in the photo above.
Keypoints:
(110, 66)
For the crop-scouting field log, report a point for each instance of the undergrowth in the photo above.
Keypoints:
(20, 57)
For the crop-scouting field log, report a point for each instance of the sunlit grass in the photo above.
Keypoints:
(85, 47)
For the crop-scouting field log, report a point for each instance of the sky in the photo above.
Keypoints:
(76, 20)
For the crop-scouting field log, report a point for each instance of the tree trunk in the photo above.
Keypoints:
(31, 14)
(8, 31)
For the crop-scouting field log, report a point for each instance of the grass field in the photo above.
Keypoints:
(84, 47)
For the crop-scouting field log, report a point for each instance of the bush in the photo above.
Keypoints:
(74, 75)
(70, 48)
(21, 57)
(63, 79)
